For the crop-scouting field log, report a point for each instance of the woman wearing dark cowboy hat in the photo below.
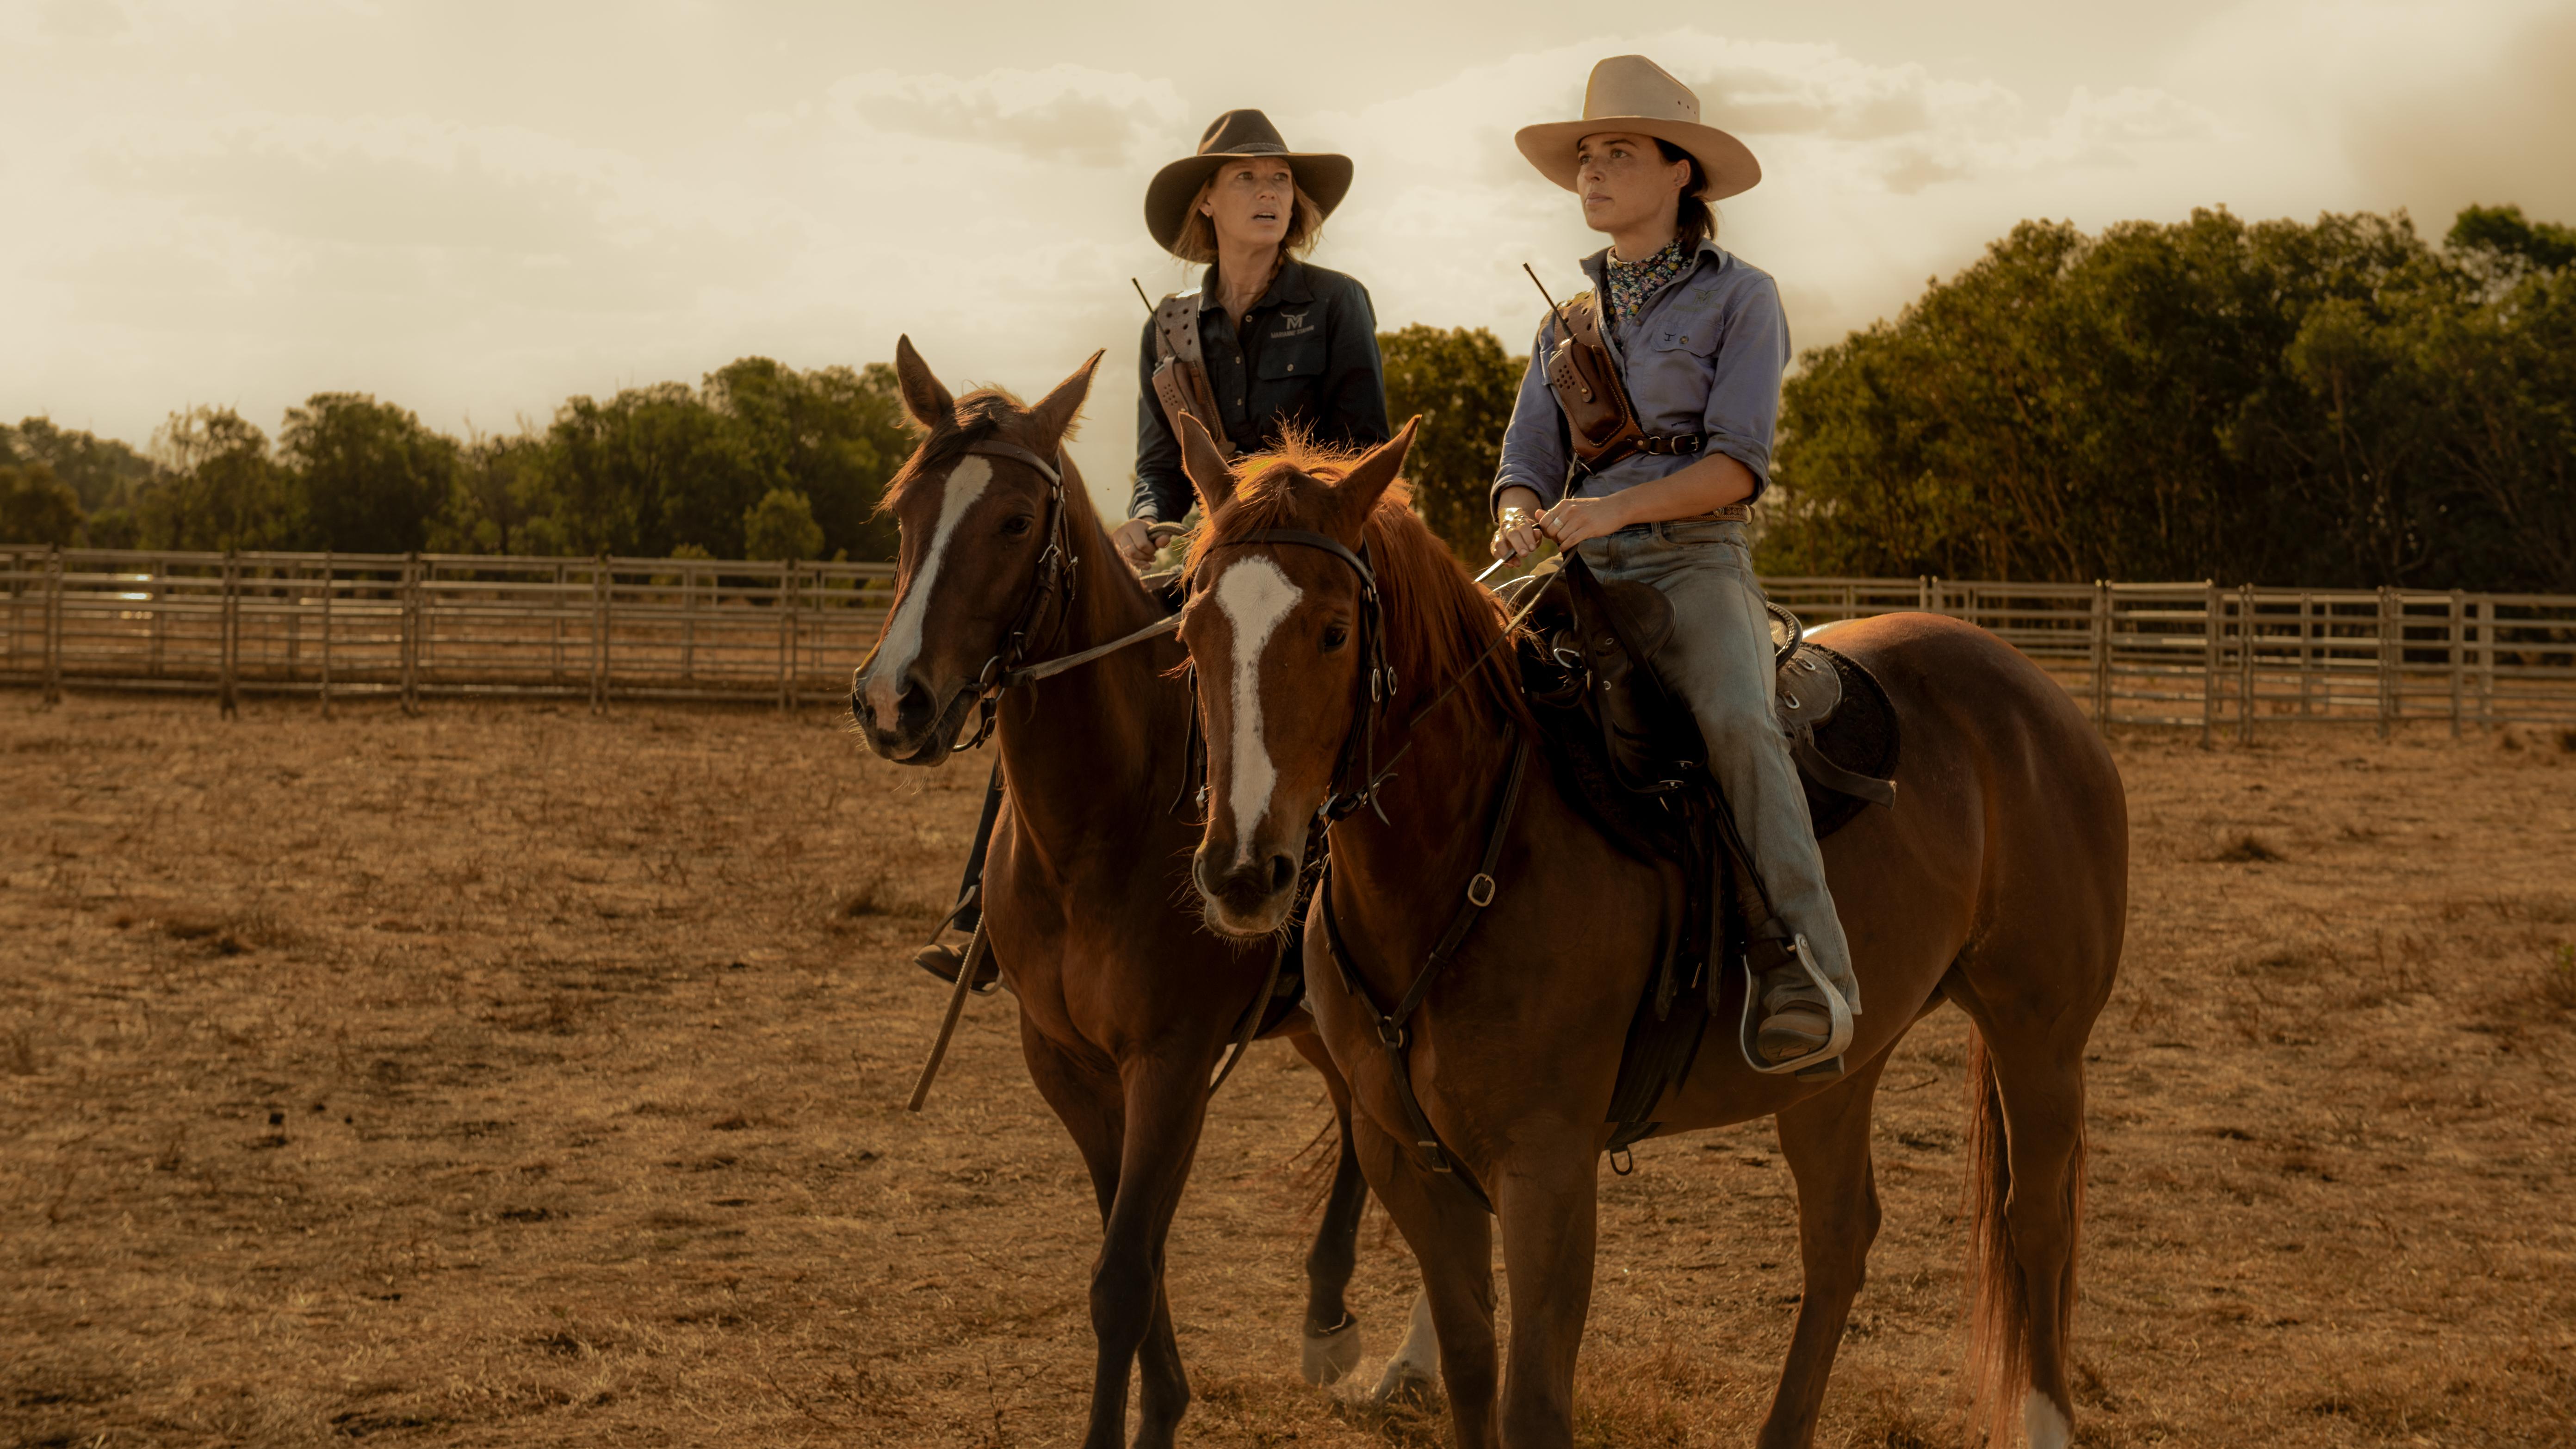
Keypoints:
(1698, 338)
(1266, 343)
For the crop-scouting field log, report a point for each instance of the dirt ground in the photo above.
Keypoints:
(512, 1076)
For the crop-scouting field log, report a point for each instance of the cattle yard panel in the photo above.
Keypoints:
(416, 626)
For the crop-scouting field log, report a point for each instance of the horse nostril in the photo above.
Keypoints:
(1283, 872)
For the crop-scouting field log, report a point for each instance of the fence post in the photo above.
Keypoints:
(409, 613)
(2486, 662)
(228, 638)
(327, 591)
(2245, 664)
(2388, 659)
(2102, 656)
(688, 621)
(599, 634)
(2459, 656)
(786, 630)
(54, 624)
(2208, 659)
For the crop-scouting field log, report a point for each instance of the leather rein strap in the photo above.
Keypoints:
(1391, 1024)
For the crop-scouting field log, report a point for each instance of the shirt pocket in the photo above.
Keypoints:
(1696, 336)
(1291, 360)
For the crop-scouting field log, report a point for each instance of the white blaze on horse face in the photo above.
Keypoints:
(2041, 1420)
(1255, 596)
(965, 483)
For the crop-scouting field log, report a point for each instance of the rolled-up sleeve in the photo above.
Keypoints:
(1534, 442)
(1744, 387)
(1355, 376)
(1162, 489)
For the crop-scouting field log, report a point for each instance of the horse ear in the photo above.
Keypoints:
(1205, 466)
(1367, 482)
(1055, 413)
(929, 403)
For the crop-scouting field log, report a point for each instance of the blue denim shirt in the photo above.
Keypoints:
(1704, 355)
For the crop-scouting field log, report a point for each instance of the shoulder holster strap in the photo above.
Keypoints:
(1180, 374)
(1600, 422)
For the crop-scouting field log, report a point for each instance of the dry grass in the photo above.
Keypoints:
(507, 1076)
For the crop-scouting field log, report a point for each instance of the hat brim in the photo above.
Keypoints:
(1323, 176)
(1729, 167)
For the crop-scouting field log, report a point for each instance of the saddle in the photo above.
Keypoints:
(1629, 753)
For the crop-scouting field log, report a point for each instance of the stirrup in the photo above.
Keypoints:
(1838, 1034)
(945, 961)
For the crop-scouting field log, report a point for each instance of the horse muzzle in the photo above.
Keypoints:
(1244, 897)
(907, 724)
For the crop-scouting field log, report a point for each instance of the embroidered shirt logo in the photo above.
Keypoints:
(1293, 323)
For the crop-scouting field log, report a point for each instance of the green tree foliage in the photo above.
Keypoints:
(656, 467)
(222, 489)
(2337, 404)
(2504, 239)
(781, 526)
(500, 490)
(102, 472)
(37, 507)
(1462, 383)
(368, 477)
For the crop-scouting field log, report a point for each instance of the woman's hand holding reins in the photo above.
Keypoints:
(1134, 541)
(1577, 519)
(1516, 525)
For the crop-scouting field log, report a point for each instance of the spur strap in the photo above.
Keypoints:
(1390, 1025)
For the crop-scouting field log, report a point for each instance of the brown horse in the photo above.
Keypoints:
(1125, 1001)
(1998, 882)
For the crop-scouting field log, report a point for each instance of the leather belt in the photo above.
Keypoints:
(1731, 513)
(1672, 445)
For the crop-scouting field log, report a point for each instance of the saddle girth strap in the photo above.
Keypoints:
(1391, 1025)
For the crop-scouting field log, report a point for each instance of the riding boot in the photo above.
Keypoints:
(945, 961)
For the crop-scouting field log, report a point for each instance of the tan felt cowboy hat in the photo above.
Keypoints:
(1631, 93)
(1325, 178)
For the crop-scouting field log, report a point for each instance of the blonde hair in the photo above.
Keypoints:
(1197, 241)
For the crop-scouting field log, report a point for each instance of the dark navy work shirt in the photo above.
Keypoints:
(1307, 354)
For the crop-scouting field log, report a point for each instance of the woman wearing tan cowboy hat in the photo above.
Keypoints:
(1698, 338)
(1267, 341)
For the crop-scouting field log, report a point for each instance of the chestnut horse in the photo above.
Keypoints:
(1126, 1002)
(1998, 882)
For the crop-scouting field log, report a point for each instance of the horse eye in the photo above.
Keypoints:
(1335, 636)
(1016, 525)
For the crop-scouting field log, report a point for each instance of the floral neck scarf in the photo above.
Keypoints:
(1631, 283)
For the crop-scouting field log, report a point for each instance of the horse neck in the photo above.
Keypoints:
(1094, 732)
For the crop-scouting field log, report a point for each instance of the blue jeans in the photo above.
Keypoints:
(1719, 658)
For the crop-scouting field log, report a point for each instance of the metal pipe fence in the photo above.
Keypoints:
(443, 625)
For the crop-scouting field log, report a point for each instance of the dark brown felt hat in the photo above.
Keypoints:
(1324, 177)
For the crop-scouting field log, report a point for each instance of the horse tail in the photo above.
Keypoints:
(1998, 1306)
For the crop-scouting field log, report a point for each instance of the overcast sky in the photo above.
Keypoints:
(478, 209)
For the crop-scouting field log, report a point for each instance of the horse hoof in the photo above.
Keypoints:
(1406, 1383)
(1331, 1354)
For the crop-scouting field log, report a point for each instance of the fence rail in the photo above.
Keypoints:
(422, 625)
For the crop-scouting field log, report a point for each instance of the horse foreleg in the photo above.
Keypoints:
(1826, 1141)
(1332, 1336)
(1166, 1104)
(1547, 1193)
(1453, 1245)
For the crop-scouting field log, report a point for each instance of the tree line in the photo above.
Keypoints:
(757, 461)
(2334, 404)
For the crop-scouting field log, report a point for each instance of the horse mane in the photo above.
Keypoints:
(1439, 624)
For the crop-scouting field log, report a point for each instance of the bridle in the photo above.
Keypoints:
(1054, 580)
(1358, 760)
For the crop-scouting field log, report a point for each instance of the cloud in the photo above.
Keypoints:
(1065, 113)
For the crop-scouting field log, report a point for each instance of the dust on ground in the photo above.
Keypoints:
(512, 1076)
